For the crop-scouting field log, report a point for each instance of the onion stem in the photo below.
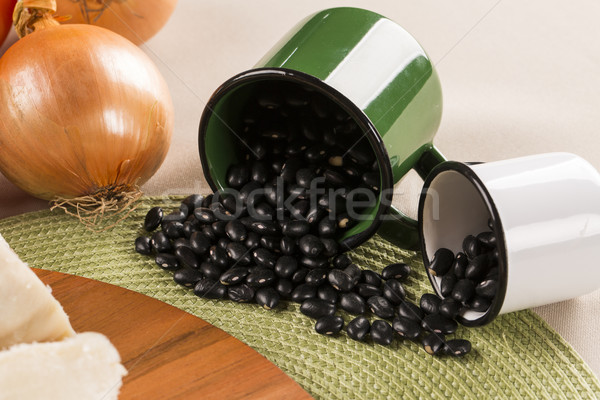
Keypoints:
(32, 15)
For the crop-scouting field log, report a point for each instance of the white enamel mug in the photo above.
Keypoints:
(545, 213)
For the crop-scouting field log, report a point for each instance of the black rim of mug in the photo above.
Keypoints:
(365, 124)
(468, 173)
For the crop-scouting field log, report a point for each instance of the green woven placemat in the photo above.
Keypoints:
(517, 356)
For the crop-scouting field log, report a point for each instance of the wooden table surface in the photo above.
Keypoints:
(169, 353)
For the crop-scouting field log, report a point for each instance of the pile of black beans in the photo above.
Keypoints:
(230, 259)
(307, 175)
(469, 279)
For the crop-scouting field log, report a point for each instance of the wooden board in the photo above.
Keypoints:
(169, 353)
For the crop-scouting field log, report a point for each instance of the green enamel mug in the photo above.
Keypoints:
(370, 67)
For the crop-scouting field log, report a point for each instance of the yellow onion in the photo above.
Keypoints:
(137, 20)
(84, 113)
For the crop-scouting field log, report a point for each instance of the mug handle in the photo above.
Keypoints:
(399, 229)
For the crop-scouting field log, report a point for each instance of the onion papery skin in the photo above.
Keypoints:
(82, 110)
(137, 20)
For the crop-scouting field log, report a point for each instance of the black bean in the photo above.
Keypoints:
(457, 347)
(234, 276)
(218, 256)
(270, 243)
(330, 247)
(259, 172)
(263, 212)
(236, 231)
(175, 216)
(449, 308)
(327, 227)
(310, 262)
(205, 215)
(430, 303)
(328, 293)
(260, 277)
(463, 291)
(366, 290)
(173, 229)
(237, 176)
(380, 306)
(460, 265)
(410, 310)
(371, 277)
(264, 257)
(316, 277)
(219, 228)
(316, 153)
(314, 215)
(193, 201)
(284, 287)
(341, 280)
(441, 262)
(209, 233)
(143, 245)
(317, 308)
(433, 343)
(295, 148)
(252, 241)
(406, 327)
(477, 267)
(353, 303)
(224, 242)
(167, 261)
(305, 176)
(300, 208)
(286, 266)
(487, 288)
(160, 242)
(488, 239)
(382, 332)
(329, 325)
(447, 284)
(299, 275)
(310, 245)
(187, 277)
(241, 293)
(303, 292)
(342, 261)
(268, 228)
(251, 193)
(153, 219)
(220, 212)
(296, 228)
(210, 289)
(239, 253)
(398, 271)
(394, 291)
(358, 328)
(371, 180)
(439, 324)
(267, 298)
(181, 242)
(186, 256)
(472, 247)
(189, 227)
(290, 168)
(479, 304)
(287, 245)
(210, 270)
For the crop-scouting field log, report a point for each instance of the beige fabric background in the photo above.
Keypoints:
(518, 78)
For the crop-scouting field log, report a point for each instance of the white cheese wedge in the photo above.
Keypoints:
(28, 312)
(83, 367)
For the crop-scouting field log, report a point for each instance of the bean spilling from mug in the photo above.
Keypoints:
(469, 280)
(306, 176)
(203, 256)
